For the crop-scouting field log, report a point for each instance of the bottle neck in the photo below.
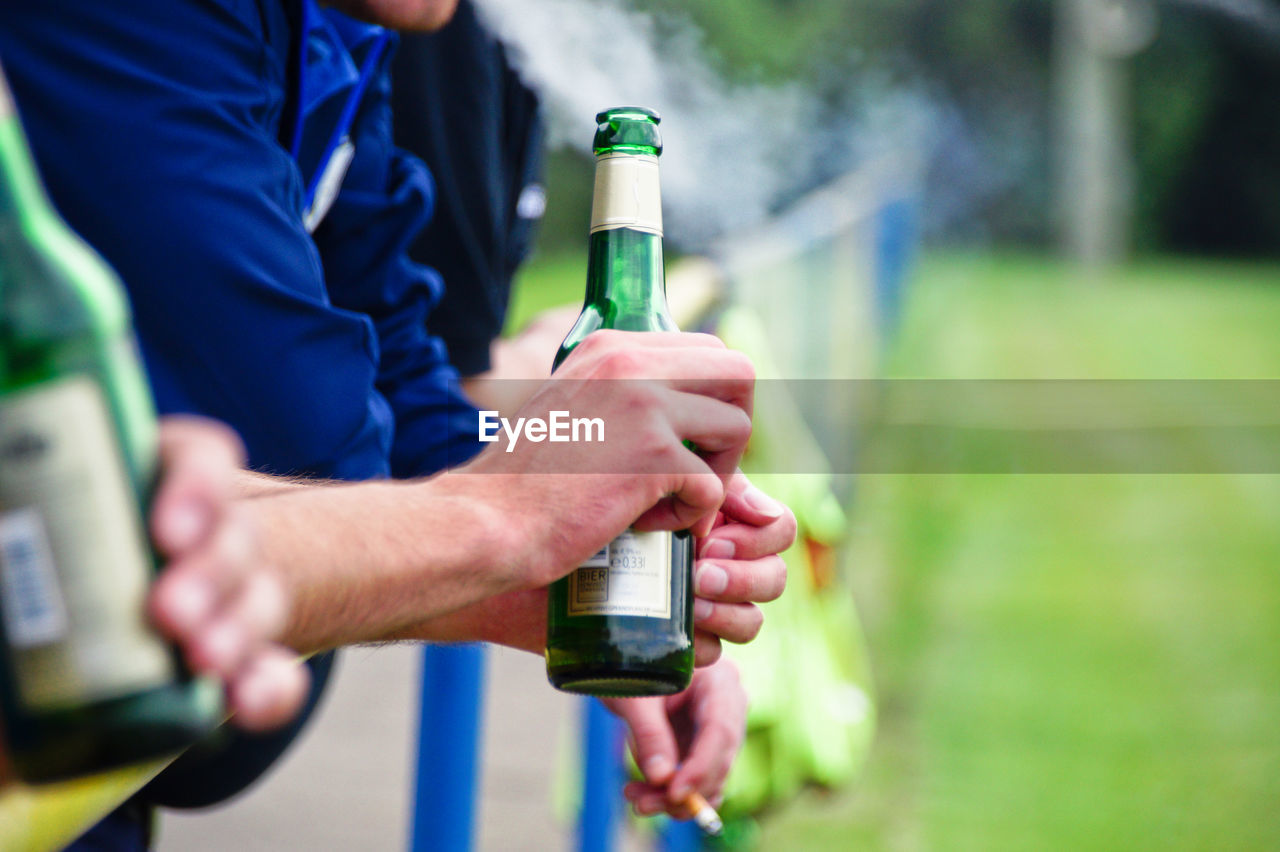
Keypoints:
(625, 270)
(22, 199)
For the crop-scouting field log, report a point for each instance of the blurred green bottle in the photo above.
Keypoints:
(622, 623)
(85, 685)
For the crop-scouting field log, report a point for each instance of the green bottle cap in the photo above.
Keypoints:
(630, 130)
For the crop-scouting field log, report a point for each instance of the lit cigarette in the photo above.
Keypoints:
(703, 814)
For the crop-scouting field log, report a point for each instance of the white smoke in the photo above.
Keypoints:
(1255, 13)
(732, 151)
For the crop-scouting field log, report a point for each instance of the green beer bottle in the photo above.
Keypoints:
(84, 683)
(622, 623)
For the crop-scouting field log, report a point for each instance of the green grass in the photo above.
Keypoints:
(1069, 662)
(553, 278)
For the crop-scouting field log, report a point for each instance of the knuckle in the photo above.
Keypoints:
(707, 648)
(223, 435)
(749, 622)
(739, 365)
(642, 399)
(732, 732)
(620, 363)
(647, 736)
(705, 339)
(591, 345)
(788, 528)
(739, 431)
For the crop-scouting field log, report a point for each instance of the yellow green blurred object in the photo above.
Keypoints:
(49, 817)
(812, 713)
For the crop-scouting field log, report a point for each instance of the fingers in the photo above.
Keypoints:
(196, 585)
(714, 427)
(707, 648)
(715, 707)
(740, 581)
(696, 498)
(744, 502)
(719, 707)
(699, 367)
(650, 736)
(733, 622)
(199, 458)
(269, 690)
(236, 632)
(742, 541)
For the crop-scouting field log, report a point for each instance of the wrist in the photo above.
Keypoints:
(508, 527)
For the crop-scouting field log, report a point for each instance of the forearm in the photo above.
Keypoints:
(516, 619)
(373, 561)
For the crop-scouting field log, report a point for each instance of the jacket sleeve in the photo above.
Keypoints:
(385, 200)
(155, 126)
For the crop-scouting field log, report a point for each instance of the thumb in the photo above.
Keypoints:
(653, 742)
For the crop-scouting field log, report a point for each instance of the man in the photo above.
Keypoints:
(231, 159)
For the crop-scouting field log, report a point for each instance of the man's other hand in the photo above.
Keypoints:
(686, 741)
(215, 597)
(738, 566)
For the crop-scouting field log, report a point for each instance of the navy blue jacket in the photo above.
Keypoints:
(185, 140)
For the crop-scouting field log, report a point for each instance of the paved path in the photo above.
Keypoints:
(346, 784)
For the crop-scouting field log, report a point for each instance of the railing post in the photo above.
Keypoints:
(602, 778)
(446, 778)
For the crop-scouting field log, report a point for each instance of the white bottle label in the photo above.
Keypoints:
(630, 576)
(74, 564)
(627, 194)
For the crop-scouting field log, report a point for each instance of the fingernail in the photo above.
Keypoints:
(712, 579)
(702, 609)
(185, 524)
(763, 503)
(718, 548)
(679, 791)
(656, 767)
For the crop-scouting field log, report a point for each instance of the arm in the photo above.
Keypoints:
(380, 560)
(385, 200)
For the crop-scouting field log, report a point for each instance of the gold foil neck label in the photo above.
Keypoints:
(627, 194)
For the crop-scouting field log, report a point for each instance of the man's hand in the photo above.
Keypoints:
(656, 393)
(738, 567)
(686, 741)
(215, 598)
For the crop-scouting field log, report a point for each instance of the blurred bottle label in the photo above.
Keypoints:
(630, 576)
(74, 566)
